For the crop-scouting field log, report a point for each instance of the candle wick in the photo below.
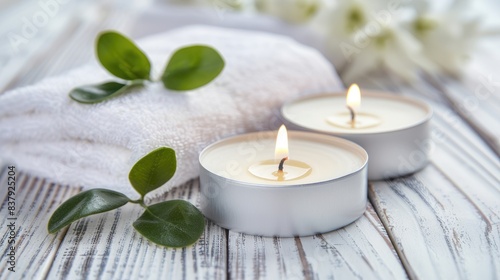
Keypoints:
(280, 166)
(353, 115)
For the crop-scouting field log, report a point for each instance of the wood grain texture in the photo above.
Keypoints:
(476, 101)
(107, 247)
(361, 250)
(36, 199)
(445, 220)
(440, 232)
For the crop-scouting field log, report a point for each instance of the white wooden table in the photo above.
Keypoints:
(440, 223)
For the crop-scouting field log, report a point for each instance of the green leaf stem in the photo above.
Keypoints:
(174, 223)
(188, 68)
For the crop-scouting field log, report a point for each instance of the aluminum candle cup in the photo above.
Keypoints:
(324, 186)
(394, 130)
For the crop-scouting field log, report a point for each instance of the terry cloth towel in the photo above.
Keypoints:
(47, 134)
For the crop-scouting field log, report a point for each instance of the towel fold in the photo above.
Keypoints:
(47, 134)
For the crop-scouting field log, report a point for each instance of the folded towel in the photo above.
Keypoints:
(47, 134)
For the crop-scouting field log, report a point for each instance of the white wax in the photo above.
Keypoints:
(329, 157)
(394, 112)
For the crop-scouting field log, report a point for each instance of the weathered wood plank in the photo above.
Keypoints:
(35, 249)
(361, 250)
(445, 219)
(107, 247)
(477, 103)
(440, 232)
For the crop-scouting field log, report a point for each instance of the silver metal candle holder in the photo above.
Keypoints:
(392, 153)
(286, 211)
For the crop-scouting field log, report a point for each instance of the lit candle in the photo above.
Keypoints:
(354, 118)
(394, 130)
(321, 187)
(275, 169)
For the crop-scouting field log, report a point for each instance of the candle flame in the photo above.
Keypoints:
(353, 98)
(281, 150)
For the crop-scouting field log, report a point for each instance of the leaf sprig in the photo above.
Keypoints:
(173, 223)
(189, 68)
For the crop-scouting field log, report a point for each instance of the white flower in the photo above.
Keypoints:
(289, 10)
(366, 35)
(448, 37)
(340, 22)
(393, 48)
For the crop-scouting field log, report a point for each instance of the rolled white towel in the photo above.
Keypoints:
(47, 134)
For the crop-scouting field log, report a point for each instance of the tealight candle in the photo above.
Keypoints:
(394, 130)
(262, 184)
(273, 169)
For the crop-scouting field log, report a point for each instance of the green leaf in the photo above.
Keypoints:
(121, 57)
(100, 92)
(153, 170)
(192, 67)
(174, 223)
(84, 204)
